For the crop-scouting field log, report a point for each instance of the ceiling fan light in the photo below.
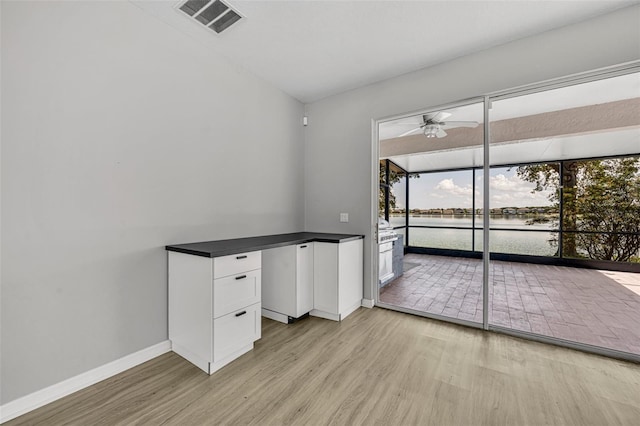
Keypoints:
(430, 130)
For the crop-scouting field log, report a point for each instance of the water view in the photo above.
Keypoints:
(536, 242)
(598, 208)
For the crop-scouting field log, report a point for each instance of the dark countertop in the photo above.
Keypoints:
(241, 245)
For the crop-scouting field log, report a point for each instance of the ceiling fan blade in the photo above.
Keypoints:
(440, 116)
(451, 124)
(410, 132)
(441, 133)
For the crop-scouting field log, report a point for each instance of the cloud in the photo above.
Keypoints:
(452, 195)
(449, 186)
(455, 190)
(515, 192)
(513, 183)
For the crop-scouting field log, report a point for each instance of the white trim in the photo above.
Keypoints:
(569, 80)
(325, 315)
(368, 303)
(374, 256)
(30, 402)
(276, 316)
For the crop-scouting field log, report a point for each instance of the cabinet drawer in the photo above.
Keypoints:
(236, 263)
(235, 331)
(236, 291)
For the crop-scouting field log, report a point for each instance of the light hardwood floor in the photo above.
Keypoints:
(376, 367)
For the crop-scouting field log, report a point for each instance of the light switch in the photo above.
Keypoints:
(344, 217)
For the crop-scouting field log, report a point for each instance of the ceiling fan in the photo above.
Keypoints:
(433, 125)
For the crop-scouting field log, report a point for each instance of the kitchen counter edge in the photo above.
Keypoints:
(220, 248)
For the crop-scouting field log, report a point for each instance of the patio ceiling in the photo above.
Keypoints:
(620, 142)
(597, 119)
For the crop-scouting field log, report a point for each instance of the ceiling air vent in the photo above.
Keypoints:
(213, 14)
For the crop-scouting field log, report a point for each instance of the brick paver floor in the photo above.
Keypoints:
(600, 308)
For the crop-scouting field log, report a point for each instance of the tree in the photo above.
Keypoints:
(600, 205)
(394, 177)
(608, 200)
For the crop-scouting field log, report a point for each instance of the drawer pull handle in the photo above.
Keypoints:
(241, 277)
(239, 314)
(303, 247)
(241, 257)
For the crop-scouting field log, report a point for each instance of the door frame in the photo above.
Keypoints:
(574, 79)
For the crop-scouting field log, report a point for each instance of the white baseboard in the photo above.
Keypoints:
(30, 402)
(368, 303)
(276, 316)
(325, 315)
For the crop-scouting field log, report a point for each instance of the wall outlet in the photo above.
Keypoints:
(344, 217)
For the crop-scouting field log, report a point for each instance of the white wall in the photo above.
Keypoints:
(339, 141)
(118, 137)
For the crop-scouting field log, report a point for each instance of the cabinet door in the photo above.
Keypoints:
(304, 278)
(279, 280)
(235, 331)
(350, 276)
(325, 277)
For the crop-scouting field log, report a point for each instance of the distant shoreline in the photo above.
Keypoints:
(529, 214)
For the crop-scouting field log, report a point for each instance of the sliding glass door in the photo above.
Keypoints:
(436, 153)
(551, 186)
(565, 213)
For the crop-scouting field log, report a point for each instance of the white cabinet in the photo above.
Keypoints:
(214, 307)
(322, 279)
(287, 282)
(337, 279)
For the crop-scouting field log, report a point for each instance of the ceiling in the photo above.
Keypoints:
(313, 49)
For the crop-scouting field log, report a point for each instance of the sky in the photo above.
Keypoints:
(455, 190)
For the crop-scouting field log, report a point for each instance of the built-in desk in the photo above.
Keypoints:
(216, 289)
